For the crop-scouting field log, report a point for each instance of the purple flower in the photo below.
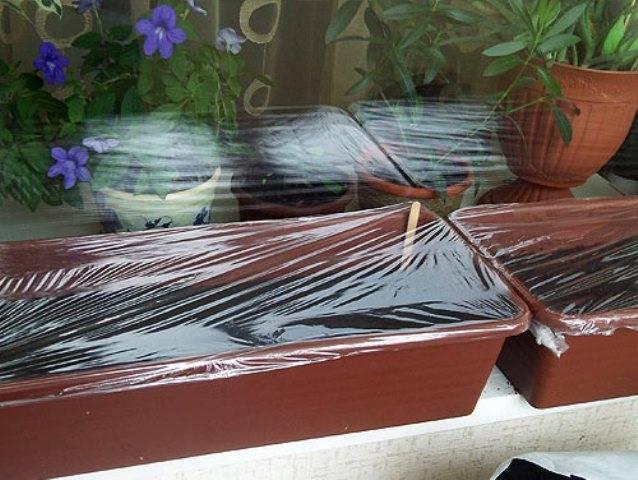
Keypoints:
(83, 5)
(161, 32)
(100, 144)
(195, 8)
(52, 64)
(228, 40)
(71, 165)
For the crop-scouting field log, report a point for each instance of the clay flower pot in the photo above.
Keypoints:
(296, 162)
(575, 262)
(601, 106)
(377, 191)
(239, 335)
(520, 191)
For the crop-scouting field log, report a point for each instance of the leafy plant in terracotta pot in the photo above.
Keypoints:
(407, 57)
(295, 162)
(574, 91)
(434, 148)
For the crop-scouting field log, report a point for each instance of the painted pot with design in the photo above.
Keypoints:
(126, 212)
(601, 106)
(150, 173)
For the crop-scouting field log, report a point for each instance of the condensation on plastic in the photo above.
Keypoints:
(585, 465)
(112, 312)
(156, 171)
(574, 261)
(435, 144)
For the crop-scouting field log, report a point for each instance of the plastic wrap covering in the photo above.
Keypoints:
(225, 296)
(436, 145)
(570, 466)
(575, 261)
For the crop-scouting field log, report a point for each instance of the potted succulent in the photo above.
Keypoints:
(572, 89)
(156, 69)
(295, 162)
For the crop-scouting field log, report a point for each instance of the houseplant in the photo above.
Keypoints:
(574, 65)
(421, 140)
(407, 57)
(155, 67)
(296, 162)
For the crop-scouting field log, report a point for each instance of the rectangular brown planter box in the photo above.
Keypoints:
(576, 264)
(360, 343)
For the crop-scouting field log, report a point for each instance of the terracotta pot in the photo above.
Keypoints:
(601, 107)
(375, 192)
(574, 263)
(521, 191)
(252, 208)
(101, 418)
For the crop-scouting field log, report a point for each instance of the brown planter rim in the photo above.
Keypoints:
(597, 323)
(247, 361)
(413, 192)
(286, 211)
(256, 359)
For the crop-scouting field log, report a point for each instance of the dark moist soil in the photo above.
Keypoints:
(86, 330)
(583, 280)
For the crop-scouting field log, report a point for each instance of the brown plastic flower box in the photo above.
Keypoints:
(575, 262)
(394, 362)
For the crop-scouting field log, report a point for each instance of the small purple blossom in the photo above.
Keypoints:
(161, 32)
(71, 165)
(228, 40)
(83, 5)
(52, 64)
(100, 144)
(195, 8)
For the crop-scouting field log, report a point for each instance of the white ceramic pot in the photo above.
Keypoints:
(126, 212)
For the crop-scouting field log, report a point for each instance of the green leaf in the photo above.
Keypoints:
(54, 6)
(567, 20)
(131, 103)
(415, 35)
(403, 11)
(361, 85)
(564, 126)
(119, 33)
(550, 83)
(558, 42)
(76, 107)
(504, 49)
(27, 108)
(31, 81)
(463, 16)
(343, 17)
(614, 37)
(88, 41)
(502, 65)
(101, 106)
(4, 68)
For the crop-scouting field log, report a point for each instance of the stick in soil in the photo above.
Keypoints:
(408, 243)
